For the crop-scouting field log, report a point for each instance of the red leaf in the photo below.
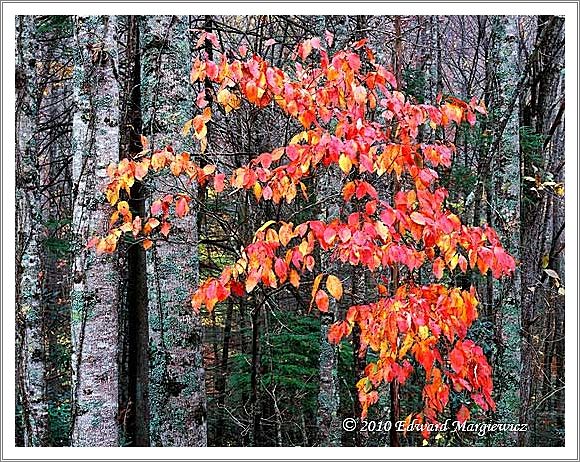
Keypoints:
(361, 43)
(457, 359)
(388, 216)
(336, 331)
(329, 235)
(281, 269)
(322, 300)
(462, 263)
(329, 37)
(237, 288)
(463, 414)
(218, 182)
(344, 234)
(92, 242)
(181, 207)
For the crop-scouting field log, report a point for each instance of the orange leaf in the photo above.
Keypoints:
(334, 286)
(165, 227)
(294, 278)
(147, 243)
(200, 127)
(438, 266)
(153, 222)
(336, 331)
(348, 190)
(285, 234)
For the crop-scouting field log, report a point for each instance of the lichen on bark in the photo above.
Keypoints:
(177, 379)
(95, 298)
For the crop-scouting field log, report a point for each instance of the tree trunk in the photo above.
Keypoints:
(30, 351)
(539, 113)
(177, 388)
(135, 380)
(94, 295)
(503, 190)
(223, 375)
(255, 379)
(328, 395)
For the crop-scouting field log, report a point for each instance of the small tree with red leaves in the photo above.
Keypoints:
(332, 97)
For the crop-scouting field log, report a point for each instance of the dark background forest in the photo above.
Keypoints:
(108, 350)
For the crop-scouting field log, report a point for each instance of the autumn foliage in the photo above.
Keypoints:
(332, 98)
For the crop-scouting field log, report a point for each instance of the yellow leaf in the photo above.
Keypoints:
(423, 332)
(127, 227)
(302, 136)
(203, 145)
(257, 191)
(265, 225)
(344, 163)
(223, 96)
(453, 261)
(405, 346)
(334, 286)
(316, 283)
(123, 207)
(187, 127)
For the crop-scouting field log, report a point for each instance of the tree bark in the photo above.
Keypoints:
(328, 395)
(94, 295)
(135, 382)
(537, 113)
(503, 190)
(30, 351)
(177, 388)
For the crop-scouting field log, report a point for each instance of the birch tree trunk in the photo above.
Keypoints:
(177, 388)
(94, 296)
(503, 191)
(30, 351)
(328, 396)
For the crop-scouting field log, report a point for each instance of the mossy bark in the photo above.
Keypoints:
(328, 423)
(95, 295)
(176, 383)
(30, 351)
(502, 190)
